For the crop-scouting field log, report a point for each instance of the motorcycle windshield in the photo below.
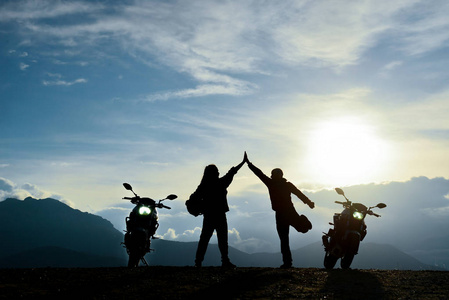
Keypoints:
(360, 207)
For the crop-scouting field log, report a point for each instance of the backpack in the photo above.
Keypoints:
(195, 205)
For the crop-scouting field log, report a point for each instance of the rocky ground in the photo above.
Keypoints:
(217, 283)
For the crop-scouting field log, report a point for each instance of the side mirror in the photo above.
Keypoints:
(381, 205)
(171, 197)
(339, 191)
(128, 186)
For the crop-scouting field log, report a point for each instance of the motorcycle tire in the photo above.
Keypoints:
(346, 261)
(330, 260)
(353, 242)
(133, 260)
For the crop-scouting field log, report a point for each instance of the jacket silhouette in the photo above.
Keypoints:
(280, 191)
(213, 191)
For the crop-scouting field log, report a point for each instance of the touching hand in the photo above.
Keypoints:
(245, 158)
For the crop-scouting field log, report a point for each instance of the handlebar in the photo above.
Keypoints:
(137, 200)
(134, 200)
(369, 212)
(376, 215)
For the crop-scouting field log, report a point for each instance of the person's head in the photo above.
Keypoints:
(277, 174)
(210, 172)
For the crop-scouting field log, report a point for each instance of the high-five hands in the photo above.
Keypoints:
(245, 158)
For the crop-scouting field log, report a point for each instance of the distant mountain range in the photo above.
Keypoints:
(51, 233)
(371, 256)
(48, 233)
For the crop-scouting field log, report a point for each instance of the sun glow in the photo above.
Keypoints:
(345, 151)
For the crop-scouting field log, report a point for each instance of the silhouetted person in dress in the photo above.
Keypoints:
(280, 191)
(213, 191)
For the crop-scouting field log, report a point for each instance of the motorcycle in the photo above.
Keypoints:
(349, 230)
(141, 225)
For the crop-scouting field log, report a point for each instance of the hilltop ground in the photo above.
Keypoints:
(214, 282)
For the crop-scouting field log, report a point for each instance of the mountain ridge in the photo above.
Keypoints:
(55, 234)
(34, 223)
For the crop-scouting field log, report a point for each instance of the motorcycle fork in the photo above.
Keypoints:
(327, 238)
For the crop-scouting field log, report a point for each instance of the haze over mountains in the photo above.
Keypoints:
(415, 220)
(48, 233)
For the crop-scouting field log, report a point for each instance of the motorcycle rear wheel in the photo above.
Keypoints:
(330, 260)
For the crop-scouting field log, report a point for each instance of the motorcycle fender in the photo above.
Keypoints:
(351, 232)
(138, 237)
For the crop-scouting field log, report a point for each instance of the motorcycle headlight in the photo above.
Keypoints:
(144, 211)
(357, 215)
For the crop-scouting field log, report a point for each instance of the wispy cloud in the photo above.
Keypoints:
(430, 29)
(216, 42)
(388, 68)
(63, 82)
(23, 66)
(38, 9)
(200, 91)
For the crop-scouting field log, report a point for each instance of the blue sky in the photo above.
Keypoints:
(96, 93)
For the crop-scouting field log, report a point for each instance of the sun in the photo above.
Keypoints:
(345, 151)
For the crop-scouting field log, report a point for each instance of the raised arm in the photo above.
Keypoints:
(230, 175)
(301, 196)
(245, 158)
(265, 179)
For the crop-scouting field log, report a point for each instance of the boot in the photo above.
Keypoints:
(226, 263)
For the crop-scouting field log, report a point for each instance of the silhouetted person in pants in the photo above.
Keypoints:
(280, 194)
(213, 191)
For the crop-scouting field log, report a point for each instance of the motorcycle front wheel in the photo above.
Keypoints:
(133, 260)
(353, 242)
(330, 260)
(346, 261)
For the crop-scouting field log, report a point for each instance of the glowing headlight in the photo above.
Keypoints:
(144, 210)
(357, 215)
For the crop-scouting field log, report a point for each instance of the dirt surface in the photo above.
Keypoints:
(213, 282)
